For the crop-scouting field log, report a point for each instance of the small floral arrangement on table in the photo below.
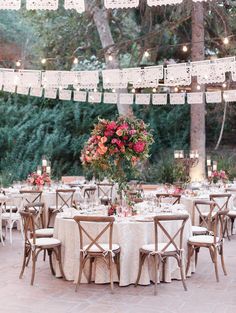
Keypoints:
(35, 179)
(217, 176)
(115, 147)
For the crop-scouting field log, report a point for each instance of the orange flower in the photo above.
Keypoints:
(104, 139)
(119, 132)
(102, 149)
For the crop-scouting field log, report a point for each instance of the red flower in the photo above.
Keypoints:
(109, 133)
(111, 126)
(139, 146)
(125, 137)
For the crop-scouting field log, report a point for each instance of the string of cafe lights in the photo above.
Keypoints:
(185, 47)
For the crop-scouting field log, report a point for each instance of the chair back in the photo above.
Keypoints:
(28, 226)
(31, 196)
(64, 198)
(89, 192)
(221, 200)
(105, 190)
(92, 240)
(199, 208)
(37, 209)
(161, 223)
(168, 198)
(219, 225)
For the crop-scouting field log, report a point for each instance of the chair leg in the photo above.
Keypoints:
(33, 267)
(82, 261)
(196, 255)
(222, 260)
(111, 272)
(232, 224)
(156, 268)
(164, 270)
(26, 254)
(190, 254)
(215, 263)
(118, 264)
(50, 261)
(142, 257)
(90, 269)
(60, 262)
(180, 261)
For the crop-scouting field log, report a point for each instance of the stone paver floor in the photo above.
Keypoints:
(50, 294)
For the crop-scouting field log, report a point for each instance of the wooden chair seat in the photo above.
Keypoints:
(203, 240)
(45, 242)
(105, 246)
(151, 248)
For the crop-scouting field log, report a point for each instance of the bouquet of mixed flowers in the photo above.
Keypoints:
(38, 180)
(115, 147)
(218, 176)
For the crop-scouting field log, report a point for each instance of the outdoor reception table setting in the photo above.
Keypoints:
(129, 232)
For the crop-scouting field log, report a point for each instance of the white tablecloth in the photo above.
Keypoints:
(130, 236)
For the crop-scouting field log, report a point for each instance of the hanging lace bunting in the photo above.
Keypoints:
(50, 93)
(229, 95)
(41, 4)
(10, 78)
(233, 72)
(109, 97)
(142, 98)
(22, 90)
(213, 97)
(195, 97)
(177, 98)
(64, 94)
(80, 96)
(147, 77)
(36, 92)
(228, 63)
(177, 75)
(9, 88)
(207, 72)
(29, 78)
(121, 4)
(159, 99)
(87, 80)
(163, 2)
(95, 97)
(51, 79)
(113, 79)
(68, 78)
(126, 98)
(78, 5)
(10, 4)
(3, 73)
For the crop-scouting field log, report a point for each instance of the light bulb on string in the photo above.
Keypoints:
(198, 87)
(226, 41)
(146, 54)
(18, 63)
(176, 89)
(113, 90)
(43, 61)
(95, 90)
(110, 58)
(224, 85)
(133, 90)
(75, 61)
(154, 90)
(185, 48)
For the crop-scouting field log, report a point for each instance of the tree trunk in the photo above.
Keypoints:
(198, 135)
(111, 55)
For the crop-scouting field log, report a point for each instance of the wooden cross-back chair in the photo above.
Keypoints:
(31, 196)
(224, 197)
(33, 245)
(89, 192)
(105, 192)
(168, 198)
(160, 250)
(64, 199)
(109, 252)
(213, 241)
(232, 211)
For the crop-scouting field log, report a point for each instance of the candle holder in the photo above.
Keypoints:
(186, 160)
(211, 166)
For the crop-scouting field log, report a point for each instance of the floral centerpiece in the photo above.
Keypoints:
(115, 147)
(37, 180)
(217, 176)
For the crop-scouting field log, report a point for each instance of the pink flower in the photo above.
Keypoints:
(109, 133)
(111, 126)
(139, 146)
(119, 132)
(132, 132)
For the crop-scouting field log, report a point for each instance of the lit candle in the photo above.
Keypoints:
(209, 173)
(214, 167)
(192, 154)
(181, 154)
(48, 169)
(196, 154)
(44, 162)
(208, 161)
(176, 154)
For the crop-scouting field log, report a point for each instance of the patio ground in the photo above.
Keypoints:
(50, 294)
